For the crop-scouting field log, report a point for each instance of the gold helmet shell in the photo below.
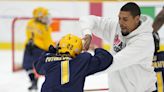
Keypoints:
(40, 12)
(71, 44)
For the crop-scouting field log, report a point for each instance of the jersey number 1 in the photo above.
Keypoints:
(64, 72)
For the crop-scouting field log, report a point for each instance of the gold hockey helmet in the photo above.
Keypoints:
(40, 12)
(71, 44)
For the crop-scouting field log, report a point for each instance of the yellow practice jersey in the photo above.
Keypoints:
(40, 33)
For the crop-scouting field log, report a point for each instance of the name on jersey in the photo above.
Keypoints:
(51, 59)
(159, 64)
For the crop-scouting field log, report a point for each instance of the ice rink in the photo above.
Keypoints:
(19, 82)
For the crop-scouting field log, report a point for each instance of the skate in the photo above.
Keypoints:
(33, 87)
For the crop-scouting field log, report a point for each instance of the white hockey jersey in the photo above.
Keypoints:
(132, 69)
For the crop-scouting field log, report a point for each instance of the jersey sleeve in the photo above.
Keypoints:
(100, 61)
(29, 30)
(39, 64)
(47, 38)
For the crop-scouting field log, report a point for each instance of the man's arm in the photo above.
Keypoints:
(159, 21)
(47, 39)
(101, 27)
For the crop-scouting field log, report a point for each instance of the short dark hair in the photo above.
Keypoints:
(132, 7)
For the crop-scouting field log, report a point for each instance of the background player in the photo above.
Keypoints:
(158, 64)
(158, 61)
(38, 40)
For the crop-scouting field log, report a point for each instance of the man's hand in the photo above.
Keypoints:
(87, 40)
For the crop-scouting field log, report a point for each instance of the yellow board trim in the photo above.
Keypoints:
(64, 72)
(8, 46)
(5, 46)
(20, 46)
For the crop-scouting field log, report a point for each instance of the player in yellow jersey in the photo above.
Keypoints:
(38, 40)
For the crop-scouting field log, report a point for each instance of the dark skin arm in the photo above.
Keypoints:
(87, 42)
(159, 21)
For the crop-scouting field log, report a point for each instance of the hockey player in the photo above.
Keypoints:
(158, 61)
(132, 45)
(38, 39)
(158, 64)
(65, 67)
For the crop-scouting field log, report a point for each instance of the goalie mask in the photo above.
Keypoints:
(70, 44)
(40, 12)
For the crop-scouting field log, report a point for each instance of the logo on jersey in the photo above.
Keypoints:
(118, 44)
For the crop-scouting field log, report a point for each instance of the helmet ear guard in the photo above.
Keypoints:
(70, 44)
